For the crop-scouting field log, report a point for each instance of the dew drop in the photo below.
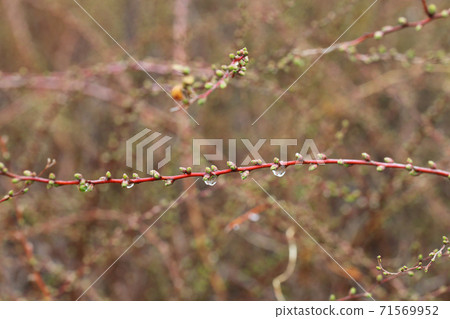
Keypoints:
(253, 217)
(211, 181)
(280, 171)
(130, 185)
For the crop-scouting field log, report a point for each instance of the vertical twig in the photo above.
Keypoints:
(277, 281)
(425, 8)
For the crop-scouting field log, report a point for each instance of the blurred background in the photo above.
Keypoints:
(68, 92)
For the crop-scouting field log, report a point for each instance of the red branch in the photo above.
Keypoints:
(425, 8)
(346, 162)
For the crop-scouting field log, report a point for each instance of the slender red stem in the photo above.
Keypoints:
(417, 169)
(425, 8)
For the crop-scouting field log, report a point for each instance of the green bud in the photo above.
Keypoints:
(402, 20)
(124, 184)
(11, 193)
(419, 27)
(414, 173)
(51, 176)
(25, 190)
(445, 13)
(208, 85)
(27, 173)
(352, 291)
(256, 162)
(340, 162)
(276, 160)
(432, 164)
(125, 176)
(244, 174)
(388, 160)
(168, 182)
(108, 174)
(214, 168)
(219, 73)
(2, 165)
(188, 170)
(188, 80)
(322, 156)
(409, 160)
(231, 165)
(312, 167)
(15, 180)
(299, 62)
(78, 176)
(273, 167)
(432, 9)
(445, 240)
(379, 278)
(332, 297)
(156, 175)
(409, 167)
(186, 70)
(232, 56)
(135, 176)
(378, 35)
(182, 169)
(381, 168)
(223, 85)
(201, 101)
(366, 156)
(207, 170)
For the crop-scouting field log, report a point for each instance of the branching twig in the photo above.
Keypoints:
(402, 24)
(405, 270)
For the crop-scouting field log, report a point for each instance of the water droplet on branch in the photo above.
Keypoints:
(279, 171)
(210, 180)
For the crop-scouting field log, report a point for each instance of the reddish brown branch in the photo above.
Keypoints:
(376, 34)
(387, 276)
(425, 8)
(413, 170)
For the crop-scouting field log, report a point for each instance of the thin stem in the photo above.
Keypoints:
(346, 162)
(384, 31)
(402, 272)
(425, 8)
